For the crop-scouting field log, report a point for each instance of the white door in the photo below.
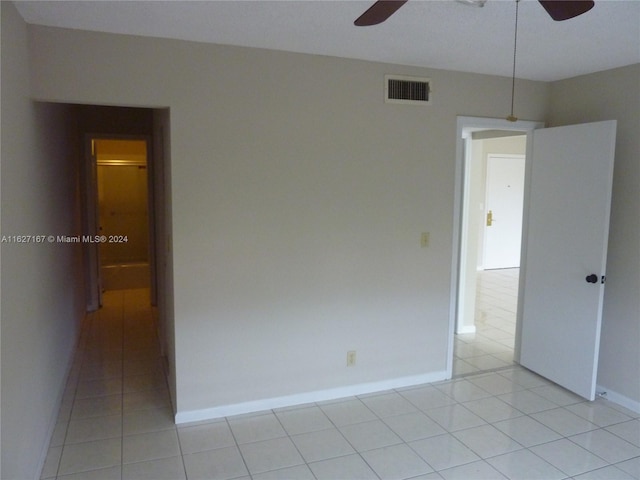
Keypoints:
(503, 221)
(566, 248)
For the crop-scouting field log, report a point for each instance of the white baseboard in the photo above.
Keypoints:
(303, 398)
(621, 400)
(465, 329)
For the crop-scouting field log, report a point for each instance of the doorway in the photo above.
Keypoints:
(123, 212)
(493, 203)
(485, 325)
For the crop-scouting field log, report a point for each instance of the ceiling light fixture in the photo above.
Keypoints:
(512, 117)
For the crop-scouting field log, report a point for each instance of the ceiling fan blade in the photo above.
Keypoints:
(566, 9)
(379, 12)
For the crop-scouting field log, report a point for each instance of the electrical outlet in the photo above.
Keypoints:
(424, 239)
(351, 358)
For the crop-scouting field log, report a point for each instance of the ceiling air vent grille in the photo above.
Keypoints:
(407, 90)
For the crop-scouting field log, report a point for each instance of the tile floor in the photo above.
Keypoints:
(116, 423)
(491, 347)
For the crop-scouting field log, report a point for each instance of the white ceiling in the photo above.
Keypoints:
(441, 34)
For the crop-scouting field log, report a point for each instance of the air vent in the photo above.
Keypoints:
(407, 90)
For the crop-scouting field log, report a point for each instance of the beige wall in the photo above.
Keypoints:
(298, 202)
(615, 95)
(42, 295)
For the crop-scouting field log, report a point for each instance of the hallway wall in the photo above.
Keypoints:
(42, 294)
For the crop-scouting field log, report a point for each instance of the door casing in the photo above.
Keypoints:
(464, 127)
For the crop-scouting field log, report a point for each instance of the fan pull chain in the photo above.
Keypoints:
(512, 117)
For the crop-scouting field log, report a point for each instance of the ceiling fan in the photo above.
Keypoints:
(558, 10)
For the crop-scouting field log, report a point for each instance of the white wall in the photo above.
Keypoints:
(298, 201)
(42, 296)
(615, 95)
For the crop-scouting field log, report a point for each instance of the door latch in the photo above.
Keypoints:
(489, 218)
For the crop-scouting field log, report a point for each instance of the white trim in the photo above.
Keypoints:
(465, 329)
(303, 398)
(619, 399)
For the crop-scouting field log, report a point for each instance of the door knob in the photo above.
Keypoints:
(593, 278)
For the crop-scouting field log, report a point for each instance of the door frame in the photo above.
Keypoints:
(91, 217)
(464, 127)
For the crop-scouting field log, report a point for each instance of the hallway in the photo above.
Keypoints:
(116, 423)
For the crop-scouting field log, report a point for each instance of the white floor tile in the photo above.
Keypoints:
(462, 390)
(150, 420)
(427, 397)
(486, 362)
(396, 462)
(110, 473)
(303, 420)
(96, 407)
(527, 401)
(606, 473)
(351, 467)
(443, 451)
(254, 428)
(348, 412)
(630, 431)
(95, 428)
(494, 383)
(480, 470)
(527, 431)
(492, 409)
(606, 445)
(199, 438)
(161, 469)
(321, 445)
(558, 395)
(94, 455)
(273, 454)
(563, 421)
(524, 378)
(524, 465)
(568, 457)
(388, 404)
(632, 467)
(414, 426)
(487, 441)
(220, 464)
(150, 446)
(299, 472)
(369, 435)
(455, 417)
(599, 413)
